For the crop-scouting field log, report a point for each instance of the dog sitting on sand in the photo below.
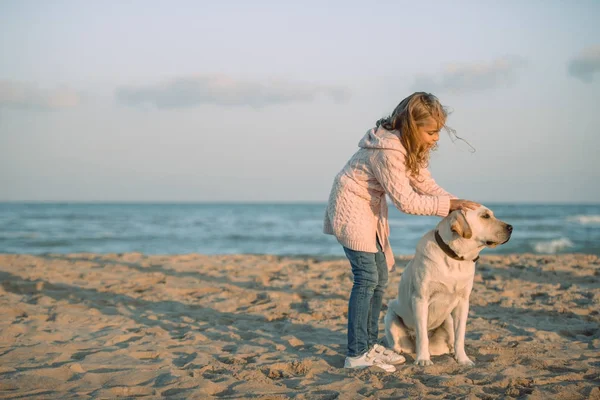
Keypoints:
(430, 313)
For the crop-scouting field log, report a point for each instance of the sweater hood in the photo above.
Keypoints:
(379, 138)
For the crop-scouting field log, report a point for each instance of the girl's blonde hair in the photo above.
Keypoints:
(412, 112)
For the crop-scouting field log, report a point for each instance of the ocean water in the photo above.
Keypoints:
(282, 229)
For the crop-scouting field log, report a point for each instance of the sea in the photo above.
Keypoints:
(260, 228)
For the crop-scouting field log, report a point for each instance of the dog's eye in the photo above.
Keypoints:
(486, 216)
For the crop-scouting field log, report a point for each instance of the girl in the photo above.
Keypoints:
(392, 160)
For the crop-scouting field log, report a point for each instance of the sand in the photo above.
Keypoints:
(247, 326)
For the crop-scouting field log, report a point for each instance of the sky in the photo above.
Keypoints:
(265, 101)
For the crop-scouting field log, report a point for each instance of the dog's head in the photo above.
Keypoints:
(480, 225)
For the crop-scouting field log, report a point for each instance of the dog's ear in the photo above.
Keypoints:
(461, 226)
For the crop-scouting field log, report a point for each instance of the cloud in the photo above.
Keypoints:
(462, 78)
(584, 65)
(224, 91)
(21, 95)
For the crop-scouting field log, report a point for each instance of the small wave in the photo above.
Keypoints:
(552, 246)
(52, 243)
(585, 219)
(18, 235)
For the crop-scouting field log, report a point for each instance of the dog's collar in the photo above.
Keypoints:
(449, 252)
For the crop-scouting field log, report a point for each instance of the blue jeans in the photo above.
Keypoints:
(370, 280)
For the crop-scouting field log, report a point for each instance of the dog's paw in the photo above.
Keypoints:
(424, 363)
(465, 361)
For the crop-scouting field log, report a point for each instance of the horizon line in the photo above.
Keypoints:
(265, 202)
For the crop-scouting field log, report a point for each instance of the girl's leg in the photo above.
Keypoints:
(364, 269)
(377, 299)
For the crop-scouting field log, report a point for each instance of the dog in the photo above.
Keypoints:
(430, 312)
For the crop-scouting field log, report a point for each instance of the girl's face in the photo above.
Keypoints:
(428, 133)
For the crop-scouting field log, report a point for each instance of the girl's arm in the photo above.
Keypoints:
(425, 184)
(389, 169)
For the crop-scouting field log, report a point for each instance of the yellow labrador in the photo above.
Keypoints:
(431, 310)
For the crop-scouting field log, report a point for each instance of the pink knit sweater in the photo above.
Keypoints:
(357, 210)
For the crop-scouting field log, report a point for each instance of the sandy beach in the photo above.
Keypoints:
(244, 326)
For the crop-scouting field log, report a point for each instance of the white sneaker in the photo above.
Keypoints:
(367, 360)
(386, 355)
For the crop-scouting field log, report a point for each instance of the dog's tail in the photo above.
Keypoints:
(393, 327)
(394, 305)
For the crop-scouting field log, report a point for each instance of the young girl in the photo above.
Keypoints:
(392, 160)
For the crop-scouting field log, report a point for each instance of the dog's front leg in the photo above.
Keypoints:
(420, 310)
(460, 315)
